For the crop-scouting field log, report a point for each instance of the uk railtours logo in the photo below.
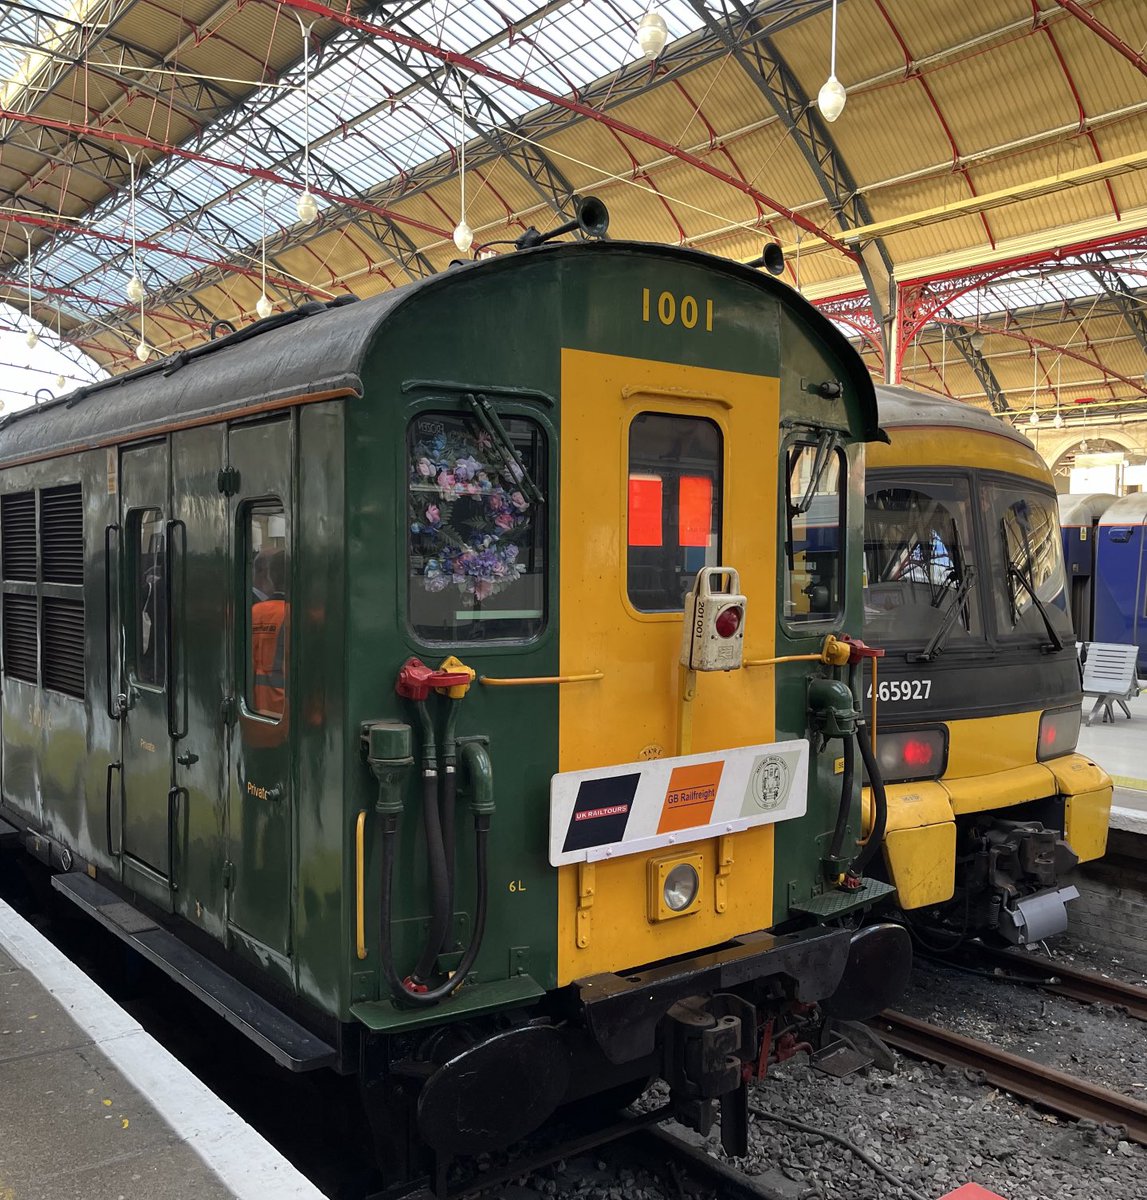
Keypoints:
(601, 812)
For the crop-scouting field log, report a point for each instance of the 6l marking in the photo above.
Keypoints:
(688, 312)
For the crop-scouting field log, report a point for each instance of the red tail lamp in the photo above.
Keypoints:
(904, 755)
(729, 620)
(918, 753)
(1058, 732)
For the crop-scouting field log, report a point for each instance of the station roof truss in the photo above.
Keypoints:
(976, 219)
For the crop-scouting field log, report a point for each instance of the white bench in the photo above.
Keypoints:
(1109, 675)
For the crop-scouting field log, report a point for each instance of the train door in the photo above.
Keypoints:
(146, 727)
(260, 466)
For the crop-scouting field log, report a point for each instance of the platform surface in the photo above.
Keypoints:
(92, 1107)
(1120, 748)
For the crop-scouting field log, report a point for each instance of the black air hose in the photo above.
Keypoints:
(441, 914)
(879, 802)
(401, 990)
(845, 810)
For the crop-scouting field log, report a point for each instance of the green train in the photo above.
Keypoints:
(442, 688)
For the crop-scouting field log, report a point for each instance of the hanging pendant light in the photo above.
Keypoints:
(1058, 422)
(652, 33)
(263, 306)
(305, 206)
(135, 290)
(831, 97)
(977, 340)
(463, 234)
(1034, 419)
(61, 381)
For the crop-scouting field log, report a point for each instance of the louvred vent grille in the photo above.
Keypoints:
(64, 645)
(62, 534)
(18, 535)
(20, 637)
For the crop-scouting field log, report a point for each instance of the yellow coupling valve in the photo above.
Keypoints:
(834, 652)
(455, 666)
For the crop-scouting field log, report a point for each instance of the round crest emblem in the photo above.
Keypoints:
(770, 784)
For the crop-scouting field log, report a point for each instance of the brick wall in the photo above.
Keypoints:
(1110, 916)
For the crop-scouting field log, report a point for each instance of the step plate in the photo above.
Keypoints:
(285, 1040)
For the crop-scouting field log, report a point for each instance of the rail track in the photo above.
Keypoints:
(1041, 1085)
(636, 1142)
(1065, 980)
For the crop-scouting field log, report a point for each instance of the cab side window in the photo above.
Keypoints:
(815, 505)
(147, 542)
(268, 607)
(674, 508)
(477, 528)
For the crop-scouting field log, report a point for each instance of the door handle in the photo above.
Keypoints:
(172, 824)
(112, 767)
(275, 794)
(111, 534)
(187, 759)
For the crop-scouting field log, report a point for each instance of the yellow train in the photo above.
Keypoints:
(978, 698)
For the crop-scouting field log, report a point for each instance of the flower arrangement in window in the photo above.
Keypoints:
(468, 517)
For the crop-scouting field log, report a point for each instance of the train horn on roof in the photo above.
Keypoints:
(772, 259)
(592, 218)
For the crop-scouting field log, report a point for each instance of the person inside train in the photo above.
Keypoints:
(268, 632)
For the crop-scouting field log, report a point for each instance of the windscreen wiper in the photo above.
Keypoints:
(1015, 573)
(828, 441)
(512, 461)
(956, 602)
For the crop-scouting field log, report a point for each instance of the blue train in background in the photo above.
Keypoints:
(1105, 552)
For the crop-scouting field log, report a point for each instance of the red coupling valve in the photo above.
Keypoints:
(416, 680)
(858, 650)
(417, 988)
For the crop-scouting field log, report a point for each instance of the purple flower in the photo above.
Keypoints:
(466, 468)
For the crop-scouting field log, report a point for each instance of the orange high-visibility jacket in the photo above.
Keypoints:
(268, 656)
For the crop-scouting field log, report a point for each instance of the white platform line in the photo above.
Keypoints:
(241, 1158)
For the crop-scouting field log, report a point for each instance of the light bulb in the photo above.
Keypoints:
(831, 97)
(1058, 422)
(31, 337)
(306, 207)
(143, 351)
(1034, 418)
(463, 236)
(135, 290)
(61, 381)
(264, 307)
(977, 339)
(652, 33)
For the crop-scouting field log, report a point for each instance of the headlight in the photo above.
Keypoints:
(681, 886)
(1058, 733)
(906, 755)
(675, 885)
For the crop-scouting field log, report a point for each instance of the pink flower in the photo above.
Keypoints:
(483, 588)
(519, 501)
(504, 520)
(433, 515)
(425, 468)
(445, 480)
